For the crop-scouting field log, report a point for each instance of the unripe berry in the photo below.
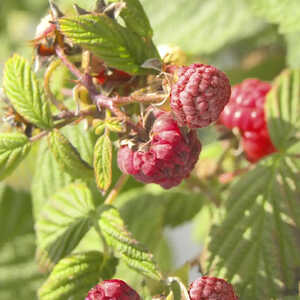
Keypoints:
(199, 95)
(211, 288)
(114, 289)
(166, 158)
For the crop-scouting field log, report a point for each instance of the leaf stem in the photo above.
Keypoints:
(98, 230)
(116, 189)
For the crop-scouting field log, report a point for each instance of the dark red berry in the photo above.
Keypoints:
(199, 95)
(211, 288)
(114, 289)
(166, 158)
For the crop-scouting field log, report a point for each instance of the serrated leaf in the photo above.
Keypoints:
(68, 156)
(136, 19)
(285, 13)
(15, 214)
(200, 24)
(19, 276)
(293, 49)
(124, 245)
(73, 277)
(13, 149)
(103, 162)
(252, 244)
(24, 92)
(64, 221)
(112, 124)
(117, 46)
(283, 108)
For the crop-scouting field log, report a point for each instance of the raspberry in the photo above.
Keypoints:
(199, 95)
(245, 111)
(211, 288)
(115, 289)
(166, 158)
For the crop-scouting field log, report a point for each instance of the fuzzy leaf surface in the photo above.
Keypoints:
(252, 244)
(286, 13)
(103, 162)
(73, 277)
(124, 245)
(200, 24)
(64, 221)
(68, 156)
(117, 46)
(13, 149)
(24, 92)
(283, 108)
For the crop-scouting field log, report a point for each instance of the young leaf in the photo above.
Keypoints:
(68, 157)
(24, 92)
(103, 162)
(74, 276)
(252, 244)
(136, 19)
(117, 236)
(65, 219)
(112, 124)
(13, 149)
(283, 108)
(117, 46)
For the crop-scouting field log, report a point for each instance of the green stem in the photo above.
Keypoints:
(98, 230)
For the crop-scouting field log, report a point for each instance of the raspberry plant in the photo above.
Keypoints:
(126, 140)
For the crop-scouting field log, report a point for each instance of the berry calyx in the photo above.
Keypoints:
(211, 288)
(166, 158)
(199, 95)
(112, 289)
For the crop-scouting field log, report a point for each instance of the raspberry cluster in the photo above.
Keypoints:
(166, 158)
(211, 288)
(112, 289)
(199, 95)
(245, 111)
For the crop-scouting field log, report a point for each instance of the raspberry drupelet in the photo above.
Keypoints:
(166, 158)
(115, 289)
(199, 95)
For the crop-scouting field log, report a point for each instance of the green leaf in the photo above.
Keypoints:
(112, 124)
(117, 46)
(19, 276)
(252, 243)
(136, 19)
(286, 13)
(64, 221)
(68, 156)
(283, 108)
(24, 92)
(15, 214)
(198, 28)
(13, 149)
(124, 245)
(103, 162)
(73, 277)
(293, 49)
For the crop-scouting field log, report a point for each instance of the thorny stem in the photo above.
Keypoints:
(116, 189)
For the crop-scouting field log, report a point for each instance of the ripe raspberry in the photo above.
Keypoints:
(245, 109)
(211, 288)
(115, 289)
(166, 159)
(199, 95)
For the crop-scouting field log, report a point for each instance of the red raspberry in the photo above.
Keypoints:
(199, 95)
(166, 159)
(114, 289)
(211, 288)
(245, 111)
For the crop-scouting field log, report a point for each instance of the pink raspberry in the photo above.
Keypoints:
(245, 111)
(199, 95)
(166, 158)
(114, 289)
(211, 288)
